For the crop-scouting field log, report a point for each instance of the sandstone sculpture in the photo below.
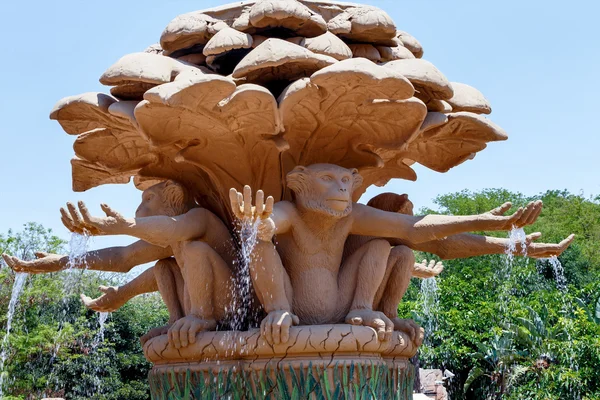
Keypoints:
(311, 102)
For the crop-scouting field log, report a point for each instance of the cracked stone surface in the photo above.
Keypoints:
(321, 341)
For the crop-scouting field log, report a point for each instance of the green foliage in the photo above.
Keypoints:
(499, 324)
(55, 347)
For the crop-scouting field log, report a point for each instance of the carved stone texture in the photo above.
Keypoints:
(298, 91)
(289, 15)
(189, 30)
(320, 341)
(410, 43)
(280, 60)
(364, 24)
(467, 98)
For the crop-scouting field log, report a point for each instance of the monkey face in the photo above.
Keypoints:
(334, 187)
(151, 204)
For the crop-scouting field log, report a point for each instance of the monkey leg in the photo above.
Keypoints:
(171, 287)
(114, 297)
(273, 288)
(359, 279)
(400, 266)
(207, 281)
(169, 280)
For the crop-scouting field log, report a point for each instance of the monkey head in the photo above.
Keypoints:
(324, 188)
(165, 198)
(392, 202)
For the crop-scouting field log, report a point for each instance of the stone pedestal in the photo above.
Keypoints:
(323, 361)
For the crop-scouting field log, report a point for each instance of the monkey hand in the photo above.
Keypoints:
(260, 214)
(426, 270)
(80, 221)
(275, 328)
(111, 300)
(44, 263)
(522, 217)
(546, 250)
(183, 331)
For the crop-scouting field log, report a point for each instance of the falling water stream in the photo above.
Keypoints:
(18, 285)
(428, 297)
(247, 233)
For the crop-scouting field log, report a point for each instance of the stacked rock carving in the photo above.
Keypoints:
(273, 84)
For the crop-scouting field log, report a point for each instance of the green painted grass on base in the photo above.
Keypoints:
(350, 381)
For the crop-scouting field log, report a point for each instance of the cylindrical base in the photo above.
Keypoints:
(318, 362)
(288, 379)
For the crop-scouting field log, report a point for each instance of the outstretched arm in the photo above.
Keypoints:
(160, 230)
(112, 259)
(468, 245)
(373, 222)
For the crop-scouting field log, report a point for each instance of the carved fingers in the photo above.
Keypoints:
(43, 264)
(81, 221)
(384, 327)
(154, 332)
(502, 209)
(522, 217)
(428, 270)
(241, 205)
(411, 328)
(183, 332)
(275, 328)
(111, 300)
(546, 250)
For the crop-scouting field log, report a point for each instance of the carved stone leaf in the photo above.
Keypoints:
(411, 43)
(87, 175)
(288, 14)
(425, 77)
(467, 98)
(341, 111)
(228, 132)
(114, 150)
(446, 146)
(189, 29)
(364, 24)
(85, 112)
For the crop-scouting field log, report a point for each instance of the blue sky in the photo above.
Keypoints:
(536, 61)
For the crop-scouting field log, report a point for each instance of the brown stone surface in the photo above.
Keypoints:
(319, 341)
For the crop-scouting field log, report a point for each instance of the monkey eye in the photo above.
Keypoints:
(345, 179)
(327, 178)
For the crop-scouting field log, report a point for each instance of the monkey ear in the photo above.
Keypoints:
(358, 179)
(296, 179)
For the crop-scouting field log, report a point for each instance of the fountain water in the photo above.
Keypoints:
(428, 297)
(241, 286)
(18, 285)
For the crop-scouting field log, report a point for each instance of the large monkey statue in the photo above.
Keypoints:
(401, 266)
(303, 278)
(169, 223)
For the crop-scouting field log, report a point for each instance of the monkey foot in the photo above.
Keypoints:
(375, 319)
(275, 328)
(183, 332)
(154, 332)
(411, 328)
